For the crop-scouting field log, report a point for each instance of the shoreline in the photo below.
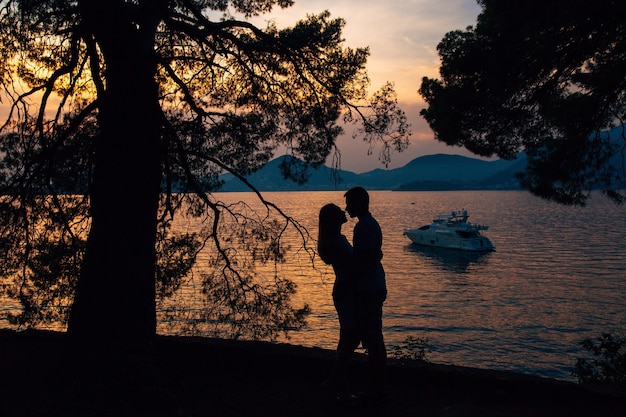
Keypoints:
(216, 377)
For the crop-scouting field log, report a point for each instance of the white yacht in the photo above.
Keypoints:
(451, 231)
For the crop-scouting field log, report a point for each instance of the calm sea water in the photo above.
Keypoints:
(558, 275)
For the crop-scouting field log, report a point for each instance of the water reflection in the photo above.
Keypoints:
(558, 276)
(457, 261)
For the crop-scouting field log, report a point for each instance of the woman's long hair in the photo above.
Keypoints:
(330, 221)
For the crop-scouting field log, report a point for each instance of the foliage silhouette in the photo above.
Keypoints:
(609, 365)
(413, 348)
(543, 77)
(121, 117)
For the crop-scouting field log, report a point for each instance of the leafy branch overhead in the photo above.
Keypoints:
(138, 107)
(541, 77)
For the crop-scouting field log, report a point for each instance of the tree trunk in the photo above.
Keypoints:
(114, 306)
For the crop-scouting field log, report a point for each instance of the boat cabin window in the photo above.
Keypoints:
(467, 234)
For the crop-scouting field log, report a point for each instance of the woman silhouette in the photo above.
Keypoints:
(335, 250)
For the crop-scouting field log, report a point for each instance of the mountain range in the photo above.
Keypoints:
(426, 173)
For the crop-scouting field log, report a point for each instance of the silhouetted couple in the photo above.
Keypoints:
(359, 291)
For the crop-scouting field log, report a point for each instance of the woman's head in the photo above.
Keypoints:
(331, 219)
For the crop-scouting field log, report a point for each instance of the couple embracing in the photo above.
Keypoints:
(359, 291)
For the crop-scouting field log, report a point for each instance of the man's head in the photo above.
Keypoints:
(357, 201)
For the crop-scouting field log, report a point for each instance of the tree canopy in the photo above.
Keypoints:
(121, 115)
(547, 78)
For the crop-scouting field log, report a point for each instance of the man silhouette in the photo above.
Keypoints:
(371, 289)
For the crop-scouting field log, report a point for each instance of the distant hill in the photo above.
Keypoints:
(470, 174)
(271, 178)
(426, 173)
(440, 169)
(431, 172)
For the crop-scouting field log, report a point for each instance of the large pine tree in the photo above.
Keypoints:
(118, 106)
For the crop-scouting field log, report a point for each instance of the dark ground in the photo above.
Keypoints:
(207, 377)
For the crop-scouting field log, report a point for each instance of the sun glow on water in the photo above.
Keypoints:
(556, 277)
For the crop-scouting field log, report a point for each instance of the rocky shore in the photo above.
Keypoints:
(208, 377)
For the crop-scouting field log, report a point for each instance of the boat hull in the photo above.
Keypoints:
(445, 239)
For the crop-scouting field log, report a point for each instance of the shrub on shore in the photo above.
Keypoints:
(609, 363)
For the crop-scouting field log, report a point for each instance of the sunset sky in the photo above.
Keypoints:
(403, 37)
